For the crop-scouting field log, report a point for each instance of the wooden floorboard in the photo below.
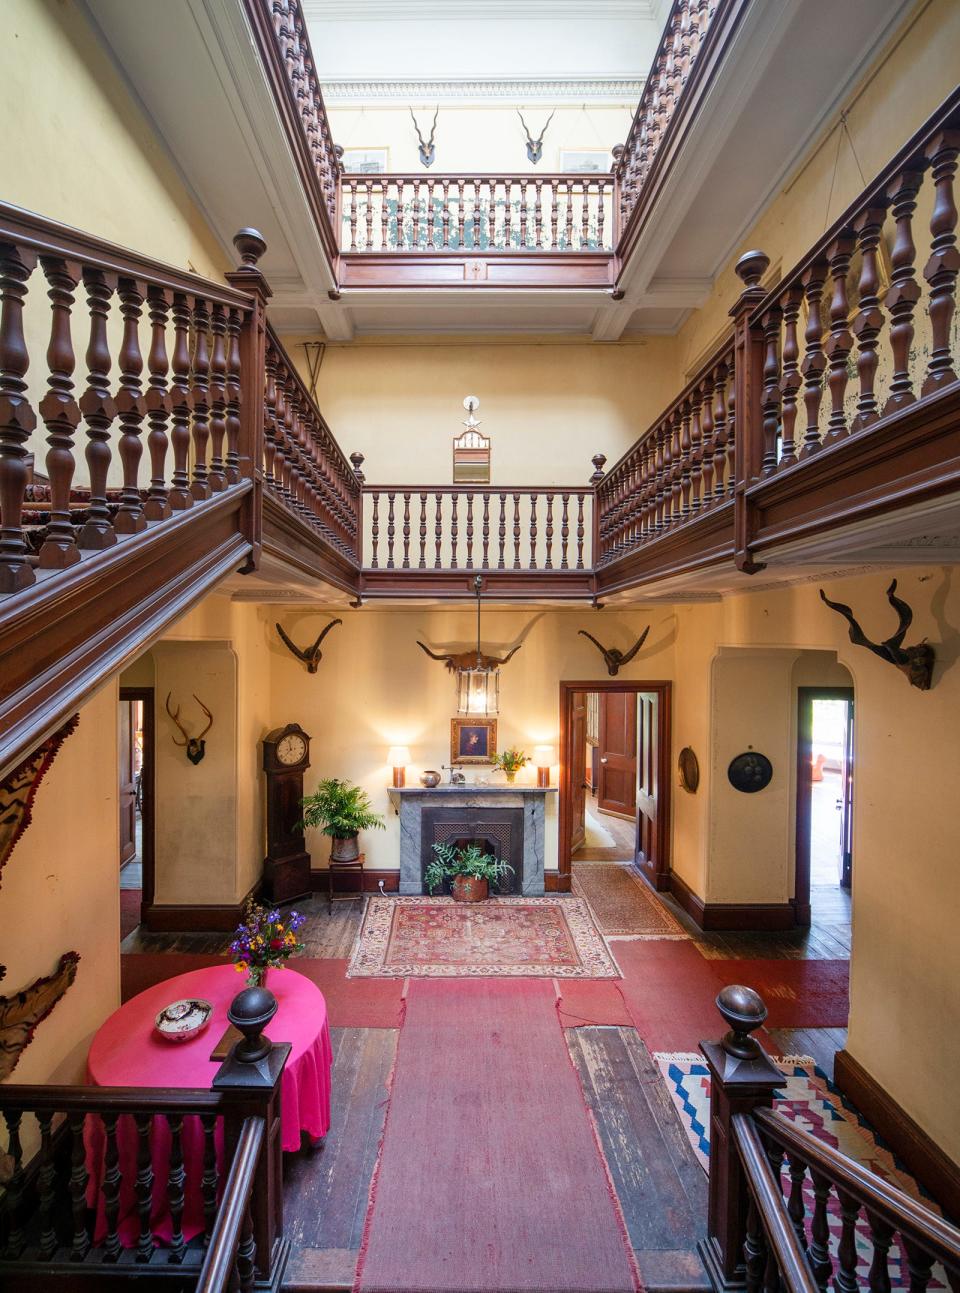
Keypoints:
(827, 939)
(325, 934)
(661, 1187)
(325, 1191)
(821, 1043)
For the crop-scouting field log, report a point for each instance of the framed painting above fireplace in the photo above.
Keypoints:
(473, 740)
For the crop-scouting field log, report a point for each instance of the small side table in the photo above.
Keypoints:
(344, 868)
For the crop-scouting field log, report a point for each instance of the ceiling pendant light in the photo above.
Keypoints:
(478, 683)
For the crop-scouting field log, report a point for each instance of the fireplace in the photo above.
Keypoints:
(496, 830)
(507, 821)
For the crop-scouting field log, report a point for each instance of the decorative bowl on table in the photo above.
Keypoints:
(183, 1020)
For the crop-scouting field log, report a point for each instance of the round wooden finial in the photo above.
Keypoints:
(357, 460)
(250, 1011)
(743, 1010)
(598, 460)
(617, 151)
(751, 267)
(251, 246)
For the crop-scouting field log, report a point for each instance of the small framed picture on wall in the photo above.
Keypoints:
(473, 740)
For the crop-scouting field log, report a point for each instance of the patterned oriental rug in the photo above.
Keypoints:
(810, 1100)
(622, 903)
(508, 937)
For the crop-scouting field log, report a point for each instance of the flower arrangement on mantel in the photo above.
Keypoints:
(510, 762)
(265, 940)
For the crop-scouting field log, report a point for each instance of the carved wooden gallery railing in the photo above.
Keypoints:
(483, 213)
(774, 1189)
(82, 1197)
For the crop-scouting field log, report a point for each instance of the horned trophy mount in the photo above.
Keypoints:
(313, 655)
(428, 150)
(614, 658)
(471, 659)
(916, 662)
(535, 146)
(196, 746)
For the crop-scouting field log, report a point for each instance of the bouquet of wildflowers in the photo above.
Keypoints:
(266, 939)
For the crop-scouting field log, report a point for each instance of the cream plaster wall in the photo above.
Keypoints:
(60, 893)
(548, 405)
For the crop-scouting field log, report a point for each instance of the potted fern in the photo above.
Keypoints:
(341, 811)
(470, 870)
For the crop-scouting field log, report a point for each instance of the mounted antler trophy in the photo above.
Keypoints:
(313, 655)
(428, 150)
(471, 659)
(535, 146)
(614, 658)
(915, 661)
(195, 745)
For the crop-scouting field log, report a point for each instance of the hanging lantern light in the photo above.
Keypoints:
(478, 684)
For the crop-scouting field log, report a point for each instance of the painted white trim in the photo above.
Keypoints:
(318, 11)
(482, 89)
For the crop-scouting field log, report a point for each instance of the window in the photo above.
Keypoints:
(365, 161)
(585, 161)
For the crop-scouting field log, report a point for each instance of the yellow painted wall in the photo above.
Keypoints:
(59, 892)
(547, 404)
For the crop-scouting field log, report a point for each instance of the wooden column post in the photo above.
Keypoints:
(748, 354)
(742, 1078)
(253, 349)
(250, 1080)
(599, 461)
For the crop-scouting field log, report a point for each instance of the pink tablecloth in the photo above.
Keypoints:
(127, 1052)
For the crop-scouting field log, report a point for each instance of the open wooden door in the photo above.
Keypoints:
(128, 780)
(578, 771)
(617, 789)
(648, 776)
(846, 807)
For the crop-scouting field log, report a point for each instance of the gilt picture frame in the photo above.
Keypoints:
(473, 740)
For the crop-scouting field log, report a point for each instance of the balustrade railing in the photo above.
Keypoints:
(682, 466)
(481, 213)
(303, 466)
(477, 527)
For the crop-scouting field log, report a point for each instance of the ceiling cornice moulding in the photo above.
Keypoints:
(483, 90)
(317, 11)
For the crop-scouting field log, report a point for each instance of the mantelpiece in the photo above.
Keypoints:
(509, 818)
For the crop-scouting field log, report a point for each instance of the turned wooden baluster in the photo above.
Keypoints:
(533, 532)
(548, 535)
(131, 409)
(246, 1266)
(601, 200)
(350, 202)
(814, 360)
(845, 1280)
(658, 480)
(731, 435)
(375, 532)
(555, 215)
(564, 531)
(580, 531)
(790, 379)
(795, 1206)
(523, 213)
(78, 1188)
(234, 373)
(144, 1185)
(901, 300)
(391, 528)
(422, 564)
(200, 487)
(568, 221)
(702, 470)
(920, 1266)
(218, 398)
(840, 341)
(720, 433)
(46, 1189)
(159, 405)
(457, 230)
(17, 418)
(415, 198)
(881, 1236)
(584, 216)
(941, 269)
(384, 215)
(820, 1258)
(454, 530)
(176, 1180)
(866, 326)
(368, 245)
(60, 414)
(406, 530)
(180, 497)
(684, 438)
(538, 213)
(771, 388)
(486, 532)
(445, 217)
(516, 531)
(469, 561)
(210, 1180)
(754, 1249)
(16, 1239)
(671, 467)
(112, 1178)
(438, 531)
(502, 534)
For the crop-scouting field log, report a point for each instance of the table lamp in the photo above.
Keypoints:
(543, 757)
(398, 756)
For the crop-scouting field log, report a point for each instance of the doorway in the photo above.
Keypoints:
(136, 801)
(614, 777)
(825, 782)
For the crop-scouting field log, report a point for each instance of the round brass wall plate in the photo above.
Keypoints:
(750, 772)
(689, 769)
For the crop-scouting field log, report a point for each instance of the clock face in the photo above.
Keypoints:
(291, 749)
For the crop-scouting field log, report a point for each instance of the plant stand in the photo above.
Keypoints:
(344, 868)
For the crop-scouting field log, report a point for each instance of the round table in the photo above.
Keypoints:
(127, 1052)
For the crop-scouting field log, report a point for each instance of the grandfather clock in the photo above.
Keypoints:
(286, 868)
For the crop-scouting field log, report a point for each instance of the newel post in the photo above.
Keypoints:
(250, 1080)
(748, 345)
(742, 1078)
(599, 461)
(253, 350)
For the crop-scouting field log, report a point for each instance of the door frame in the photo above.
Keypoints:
(147, 795)
(664, 781)
(801, 870)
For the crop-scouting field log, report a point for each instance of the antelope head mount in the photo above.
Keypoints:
(313, 655)
(916, 662)
(535, 146)
(428, 151)
(471, 659)
(614, 658)
(195, 745)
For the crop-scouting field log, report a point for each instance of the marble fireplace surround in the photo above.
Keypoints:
(410, 801)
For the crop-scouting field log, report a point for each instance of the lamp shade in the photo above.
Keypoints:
(398, 756)
(544, 756)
